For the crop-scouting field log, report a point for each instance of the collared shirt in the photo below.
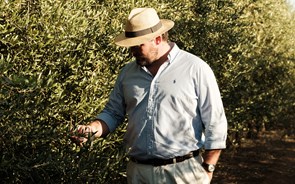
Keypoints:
(177, 111)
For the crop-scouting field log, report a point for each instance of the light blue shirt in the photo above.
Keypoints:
(177, 111)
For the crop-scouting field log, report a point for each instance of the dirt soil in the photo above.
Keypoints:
(268, 159)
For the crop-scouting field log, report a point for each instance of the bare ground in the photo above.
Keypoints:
(269, 159)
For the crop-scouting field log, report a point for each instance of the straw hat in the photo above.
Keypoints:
(143, 25)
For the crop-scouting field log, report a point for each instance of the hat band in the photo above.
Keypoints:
(144, 31)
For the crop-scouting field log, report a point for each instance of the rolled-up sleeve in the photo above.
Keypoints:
(114, 112)
(211, 110)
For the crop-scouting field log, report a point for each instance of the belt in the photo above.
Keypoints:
(160, 162)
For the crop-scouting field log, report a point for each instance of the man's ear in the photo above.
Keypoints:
(158, 40)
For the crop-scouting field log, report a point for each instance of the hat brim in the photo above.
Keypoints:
(124, 41)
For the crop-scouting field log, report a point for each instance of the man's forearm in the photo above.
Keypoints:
(211, 156)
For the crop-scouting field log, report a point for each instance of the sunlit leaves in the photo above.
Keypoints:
(58, 65)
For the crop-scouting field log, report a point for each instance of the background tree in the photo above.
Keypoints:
(58, 65)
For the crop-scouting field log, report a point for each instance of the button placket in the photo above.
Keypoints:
(151, 109)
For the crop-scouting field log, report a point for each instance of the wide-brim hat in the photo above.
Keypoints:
(142, 25)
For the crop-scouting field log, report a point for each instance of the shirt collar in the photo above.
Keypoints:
(171, 56)
(173, 52)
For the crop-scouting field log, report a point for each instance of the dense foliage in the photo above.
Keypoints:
(58, 64)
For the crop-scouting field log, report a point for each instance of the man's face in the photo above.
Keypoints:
(145, 53)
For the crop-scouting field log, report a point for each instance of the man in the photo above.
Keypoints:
(173, 105)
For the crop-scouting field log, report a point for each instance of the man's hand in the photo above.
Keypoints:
(82, 134)
(210, 174)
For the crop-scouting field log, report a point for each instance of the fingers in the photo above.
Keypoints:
(78, 140)
(83, 129)
(80, 134)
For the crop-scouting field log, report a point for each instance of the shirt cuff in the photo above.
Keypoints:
(110, 121)
(215, 145)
